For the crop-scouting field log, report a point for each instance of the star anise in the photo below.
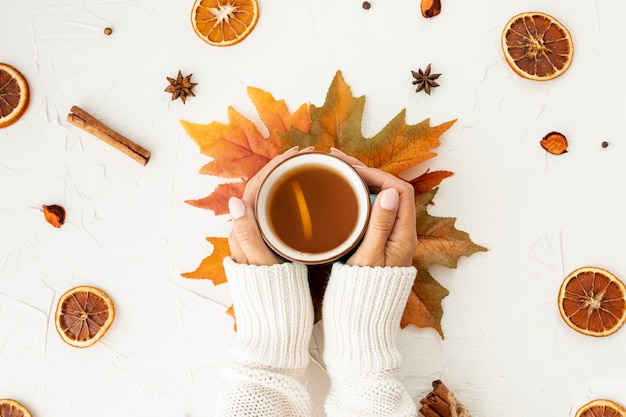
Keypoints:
(180, 87)
(425, 80)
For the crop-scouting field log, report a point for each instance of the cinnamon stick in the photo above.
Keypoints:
(80, 118)
(440, 402)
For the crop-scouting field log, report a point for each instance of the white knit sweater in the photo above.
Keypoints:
(362, 309)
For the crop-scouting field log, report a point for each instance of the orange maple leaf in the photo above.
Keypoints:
(238, 148)
(428, 180)
(211, 267)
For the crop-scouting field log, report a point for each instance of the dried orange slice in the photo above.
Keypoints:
(591, 301)
(83, 316)
(537, 46)
(12, 408)
(601, 408)
(224, 22)
(14, 95)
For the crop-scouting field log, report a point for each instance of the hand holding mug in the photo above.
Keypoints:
(390, 238)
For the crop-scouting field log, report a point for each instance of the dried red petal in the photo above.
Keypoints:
(54, 214)
(431, 8)
(555, 143)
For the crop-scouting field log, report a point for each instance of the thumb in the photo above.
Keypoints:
(382, 220)
(247, 235)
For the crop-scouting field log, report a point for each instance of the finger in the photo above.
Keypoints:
(380, 180)
(372, 251)
(236, 253)
(247, 235)
(253, 184)
(346, 158)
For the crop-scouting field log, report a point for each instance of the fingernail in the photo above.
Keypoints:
(389, 199)
(333, 149)
(295, 148)
(236, 207)
(308, 149)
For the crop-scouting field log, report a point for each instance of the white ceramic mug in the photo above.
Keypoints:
(282, 173)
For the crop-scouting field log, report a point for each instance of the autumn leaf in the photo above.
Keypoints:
(211, 267)
(428, 180)
(438, 241)
(423, 307)
(231, 312)
(218, 199)
(337, 124)
(238, 148)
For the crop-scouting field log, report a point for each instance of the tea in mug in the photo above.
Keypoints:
(313, 209)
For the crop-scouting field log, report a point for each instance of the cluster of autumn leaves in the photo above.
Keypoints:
(239, 150)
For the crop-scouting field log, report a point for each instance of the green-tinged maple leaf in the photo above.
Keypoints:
(238, 148)
(438, 241)
(423, 307)
(211, 267)
(397, 147)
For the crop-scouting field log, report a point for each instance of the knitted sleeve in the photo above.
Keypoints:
(270, 352)
(361, 315)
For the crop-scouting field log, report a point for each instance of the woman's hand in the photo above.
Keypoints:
(246, 243)
(391, 237)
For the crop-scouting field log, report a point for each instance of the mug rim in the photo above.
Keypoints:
(337, 165)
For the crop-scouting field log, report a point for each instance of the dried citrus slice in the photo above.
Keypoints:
(537, 46)
(591, 301)
(14, 95)
(224, 22)
(601, 408)
(83, 316)
(12, 408)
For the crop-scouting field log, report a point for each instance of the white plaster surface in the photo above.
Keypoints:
(129, 231)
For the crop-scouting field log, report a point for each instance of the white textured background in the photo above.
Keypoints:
(506, 352)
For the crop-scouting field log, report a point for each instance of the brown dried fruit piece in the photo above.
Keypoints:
(601, 408)
(14, 95)
(54, 214)
(83, 316)
(555, 143)
(537, 46)
(430, 8)
(592, 301)
(12, 408)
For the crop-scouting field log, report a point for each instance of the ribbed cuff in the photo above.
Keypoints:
(362, 310)
(274, 314)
